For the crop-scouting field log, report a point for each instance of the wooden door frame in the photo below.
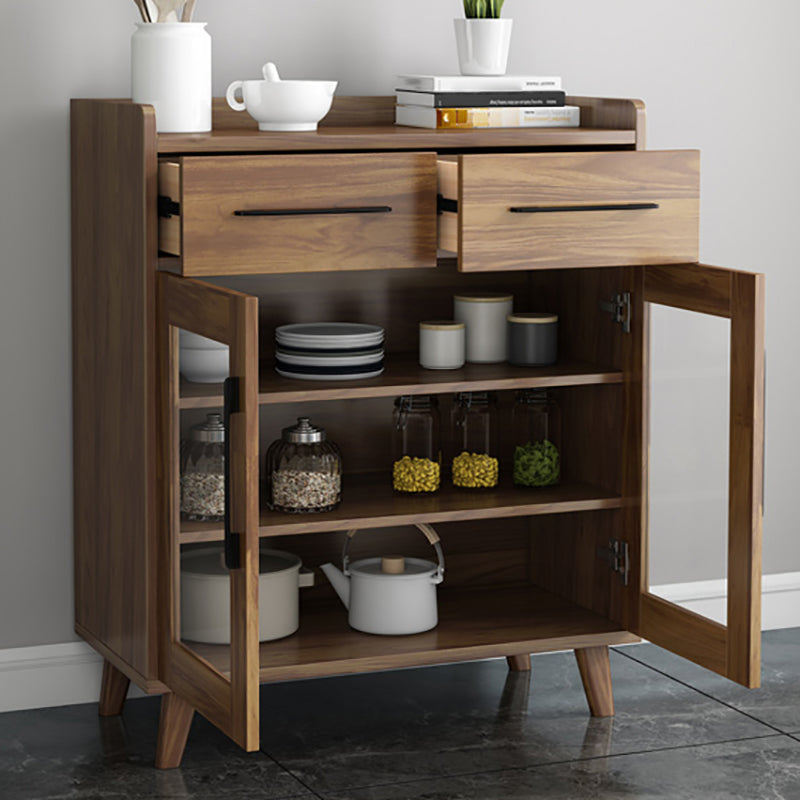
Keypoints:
(734, 649)
(228, 701)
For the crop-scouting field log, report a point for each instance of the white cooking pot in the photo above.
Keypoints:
(206, 595)
(390, 595)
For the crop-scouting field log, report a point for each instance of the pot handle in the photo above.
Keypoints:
(305, 577)
(430, 535)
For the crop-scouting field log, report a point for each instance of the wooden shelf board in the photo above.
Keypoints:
(370, 502)
(403, 375)
(387, 137)
(473, 623)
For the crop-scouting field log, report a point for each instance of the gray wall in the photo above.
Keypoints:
(720, 75)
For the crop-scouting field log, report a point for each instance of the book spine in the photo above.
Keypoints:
(548, 99)
(452, 118)
(477, 83)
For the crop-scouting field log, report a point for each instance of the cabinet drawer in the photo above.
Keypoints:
(553, 210)
(298, 213)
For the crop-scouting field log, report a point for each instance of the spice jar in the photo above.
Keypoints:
(475, 464)
(536, 422)
(304, 470)
(416, 445)
(203, 471)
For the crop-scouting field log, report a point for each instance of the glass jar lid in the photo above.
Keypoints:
(304, 432)
(475, 398)
(416, 402)
(212, 430)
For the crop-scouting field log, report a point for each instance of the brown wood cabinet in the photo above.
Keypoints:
(573, 221)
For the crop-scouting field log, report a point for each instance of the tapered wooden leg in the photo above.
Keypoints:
(595, 672)
(519, 663)
(113, 690)
(173, 730)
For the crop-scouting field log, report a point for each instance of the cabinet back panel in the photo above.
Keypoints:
(476, 552)
(564, 559)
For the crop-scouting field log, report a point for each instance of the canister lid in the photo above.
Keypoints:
(484, 297)
(441, 325)
(304, 432)
(212, 430)
(533, 316)
(211, 561)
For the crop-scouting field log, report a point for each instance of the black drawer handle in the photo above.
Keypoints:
(603, 207)
(289, 212)
(233, 554)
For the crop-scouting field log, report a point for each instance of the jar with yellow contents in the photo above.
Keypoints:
(475, 463)
(416, 445)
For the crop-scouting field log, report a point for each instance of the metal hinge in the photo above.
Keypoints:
(620, 308)
(616, 556)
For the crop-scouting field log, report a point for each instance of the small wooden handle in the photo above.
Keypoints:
(393, 565)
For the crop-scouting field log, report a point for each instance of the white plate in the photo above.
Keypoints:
(332, 343)
(347, 377)
(325, 330)
(329, 361)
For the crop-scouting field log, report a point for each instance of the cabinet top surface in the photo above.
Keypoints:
(367, 123)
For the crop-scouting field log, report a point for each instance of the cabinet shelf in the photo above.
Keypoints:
(403, 375)
(370, 502)
(474, 623)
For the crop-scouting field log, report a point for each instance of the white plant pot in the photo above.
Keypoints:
(482, 45)
(171, 70)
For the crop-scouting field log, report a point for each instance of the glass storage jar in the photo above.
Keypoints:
(536, 425)
(475, 463)
(203, 471)
(303, 470)
(416, 445)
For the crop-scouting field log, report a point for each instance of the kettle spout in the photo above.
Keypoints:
(339, 581)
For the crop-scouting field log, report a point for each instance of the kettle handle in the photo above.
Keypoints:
(430, 535)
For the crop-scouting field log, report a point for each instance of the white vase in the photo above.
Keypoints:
(171, 70)
(483, 45)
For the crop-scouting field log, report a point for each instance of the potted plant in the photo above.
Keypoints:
(482, 38)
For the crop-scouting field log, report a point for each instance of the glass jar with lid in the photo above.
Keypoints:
(475, 463)
(416, 444)
(303, 470)
(202, 464)
(536, 425)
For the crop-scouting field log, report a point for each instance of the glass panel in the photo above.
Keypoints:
(203, 582)
(689, 403)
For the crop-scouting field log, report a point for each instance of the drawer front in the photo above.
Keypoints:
(297, 213)
(557, 210)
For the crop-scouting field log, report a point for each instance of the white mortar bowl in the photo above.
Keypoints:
(283, 105)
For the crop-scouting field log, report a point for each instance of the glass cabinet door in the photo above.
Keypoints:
(208, 543)
(732, 648)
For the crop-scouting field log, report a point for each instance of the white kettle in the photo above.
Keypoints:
(391, 595)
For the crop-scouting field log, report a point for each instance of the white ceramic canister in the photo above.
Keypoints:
(206, 602)
(442, 344)
(485, 317)
(171, 70)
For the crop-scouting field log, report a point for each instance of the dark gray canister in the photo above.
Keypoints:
(532, 338)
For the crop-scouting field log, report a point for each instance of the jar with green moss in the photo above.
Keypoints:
(536, 423)
(416, 444)
(475, 463)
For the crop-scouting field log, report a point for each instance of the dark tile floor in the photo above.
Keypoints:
(461, 731)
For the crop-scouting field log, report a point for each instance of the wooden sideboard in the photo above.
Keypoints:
(157, 247)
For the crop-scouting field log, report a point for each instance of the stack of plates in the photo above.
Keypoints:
(329, 351)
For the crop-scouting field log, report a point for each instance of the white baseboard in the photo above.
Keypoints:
(51, 675)
(780, 599)
(67, 674)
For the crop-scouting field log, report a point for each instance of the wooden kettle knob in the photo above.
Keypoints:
(393, 565)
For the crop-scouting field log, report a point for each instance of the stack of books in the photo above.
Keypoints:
(467, 101)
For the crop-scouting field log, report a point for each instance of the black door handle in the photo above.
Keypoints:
(600, 207)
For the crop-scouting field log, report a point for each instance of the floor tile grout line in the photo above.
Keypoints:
(523, 767)
(289, 772)
(704, 694)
